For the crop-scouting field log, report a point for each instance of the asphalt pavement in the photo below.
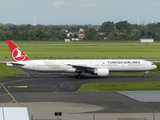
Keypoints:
(63, 88)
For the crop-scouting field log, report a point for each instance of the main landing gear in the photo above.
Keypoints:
(145, 74)
(80, 76)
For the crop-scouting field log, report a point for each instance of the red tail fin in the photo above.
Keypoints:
(17, 53)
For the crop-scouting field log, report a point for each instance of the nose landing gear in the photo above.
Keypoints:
(145, 74)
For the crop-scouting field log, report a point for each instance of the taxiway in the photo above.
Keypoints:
(58, 88)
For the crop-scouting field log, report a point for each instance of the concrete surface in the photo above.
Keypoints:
(143, 96)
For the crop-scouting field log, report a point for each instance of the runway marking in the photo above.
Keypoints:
(10, 95)
(64, 84)
(3, 95)
(57, 90)
(11, 101)
(18, 87)
(18, 81)
(21, 87)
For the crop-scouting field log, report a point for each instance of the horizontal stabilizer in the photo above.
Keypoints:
(15, 64)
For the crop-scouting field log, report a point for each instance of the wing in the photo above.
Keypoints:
(82, 67)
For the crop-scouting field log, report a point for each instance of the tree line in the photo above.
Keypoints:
(111, 31)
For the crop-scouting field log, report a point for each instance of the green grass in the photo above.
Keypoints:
(85, 50)
(6, 71)
(120, 86)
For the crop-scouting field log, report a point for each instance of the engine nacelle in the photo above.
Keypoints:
(102, 71)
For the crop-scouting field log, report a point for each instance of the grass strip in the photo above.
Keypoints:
(120, 86)
(85, 50)
(6, 71)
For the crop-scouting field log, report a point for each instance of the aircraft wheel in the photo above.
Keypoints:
(80, 76)
(83, 76)
(76, 76)
(144, 76)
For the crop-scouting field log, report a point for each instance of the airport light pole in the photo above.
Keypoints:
(58, 113)
(31, 117)
(93, 116)
(153, 116)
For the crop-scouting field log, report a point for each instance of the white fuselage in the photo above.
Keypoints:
(66, 65)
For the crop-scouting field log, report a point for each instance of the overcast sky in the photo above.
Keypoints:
(63, 12)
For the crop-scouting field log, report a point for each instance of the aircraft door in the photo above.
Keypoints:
(90, 64)
(62, 65)
(144, 64)
(33, 66)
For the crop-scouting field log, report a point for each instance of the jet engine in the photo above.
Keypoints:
(102, 71)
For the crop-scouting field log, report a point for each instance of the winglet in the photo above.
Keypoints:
(16, 52)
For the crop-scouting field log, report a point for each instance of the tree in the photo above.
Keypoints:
(90, 36)
(107, 27)
(23, 35)
(110, 36)
(136, 34)
(153, 34)
(122, 26)
(2, 35)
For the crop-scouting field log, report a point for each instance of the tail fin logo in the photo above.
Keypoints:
(18, 55)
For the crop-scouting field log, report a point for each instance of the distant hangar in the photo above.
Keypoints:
(142, 40)
(14, 113)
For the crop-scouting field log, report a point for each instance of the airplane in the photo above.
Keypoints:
(100, 67)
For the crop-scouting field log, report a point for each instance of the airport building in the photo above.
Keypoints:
(151, 40)
(14, 113)
(81, 34)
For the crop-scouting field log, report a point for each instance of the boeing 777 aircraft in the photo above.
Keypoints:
(95, 67)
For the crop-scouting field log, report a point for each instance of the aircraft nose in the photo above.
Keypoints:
(155, 66)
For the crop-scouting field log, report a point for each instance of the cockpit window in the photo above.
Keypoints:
(152, 63)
